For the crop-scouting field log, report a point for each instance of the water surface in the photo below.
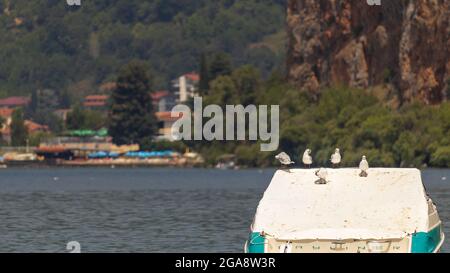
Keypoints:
(143, 210)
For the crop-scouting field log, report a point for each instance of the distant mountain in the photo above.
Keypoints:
(49, 44)
(404, 45)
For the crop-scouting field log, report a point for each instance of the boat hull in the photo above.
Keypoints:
(393, 214)
(430, 242)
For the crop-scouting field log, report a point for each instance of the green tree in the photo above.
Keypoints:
(33, 106)
(448, 89)
(19, 132)
(50, 119)
(248, 81)
(220, 66)
(94, 120)
(64, 99)
(204, 75)
(132, 120)
(76, 119)
(2, 122)
(39, 137)
(222, 91)
(43, 103)
(84, 119)
(441, 158)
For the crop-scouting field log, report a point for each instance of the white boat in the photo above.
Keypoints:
(388, 211)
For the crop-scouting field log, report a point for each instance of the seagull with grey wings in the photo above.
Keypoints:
(322, 175)
(284, 159)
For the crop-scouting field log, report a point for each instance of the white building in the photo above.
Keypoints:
(186, 86)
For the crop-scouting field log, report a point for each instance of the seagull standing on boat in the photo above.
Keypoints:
(284, 159)
(322, 175)
(363, 166)
(307, 158)
(336, 158)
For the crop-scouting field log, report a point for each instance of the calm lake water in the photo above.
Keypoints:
(143, 210)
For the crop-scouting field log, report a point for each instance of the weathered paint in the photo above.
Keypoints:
(426, 242)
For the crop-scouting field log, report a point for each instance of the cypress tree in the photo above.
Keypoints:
(19, 132)
(76, 119)
(131, 117)
(220, 66)
(204, 75)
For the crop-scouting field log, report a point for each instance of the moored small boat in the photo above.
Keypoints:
(388, 211)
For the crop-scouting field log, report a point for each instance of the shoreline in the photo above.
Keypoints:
(98, 164)
(143, 165)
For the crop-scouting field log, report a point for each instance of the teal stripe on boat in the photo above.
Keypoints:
(255, 243)
(426, 242)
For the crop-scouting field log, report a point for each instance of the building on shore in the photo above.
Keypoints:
(163, 101)
(185, 87)
(14, 102)
(5, 129)
(34, 127)
(165, 123)
(6, 115)
(96, 102)
(62, 113)
(70, 147)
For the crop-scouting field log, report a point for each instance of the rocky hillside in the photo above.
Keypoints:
(404, 44)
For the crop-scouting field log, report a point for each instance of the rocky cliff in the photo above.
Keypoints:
(402, 43)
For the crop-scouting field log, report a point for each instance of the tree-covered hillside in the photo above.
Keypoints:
(48, 44)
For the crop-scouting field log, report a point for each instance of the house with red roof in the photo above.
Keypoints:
(6, 115)
(165, 123)
(32, 127)
(192, 76)
(163, 100)
(96, 102)
(14, 102)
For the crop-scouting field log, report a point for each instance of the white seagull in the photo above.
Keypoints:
(284, 159)
(363, 166)
(307, 158)
(322, 175)
(336, 158)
